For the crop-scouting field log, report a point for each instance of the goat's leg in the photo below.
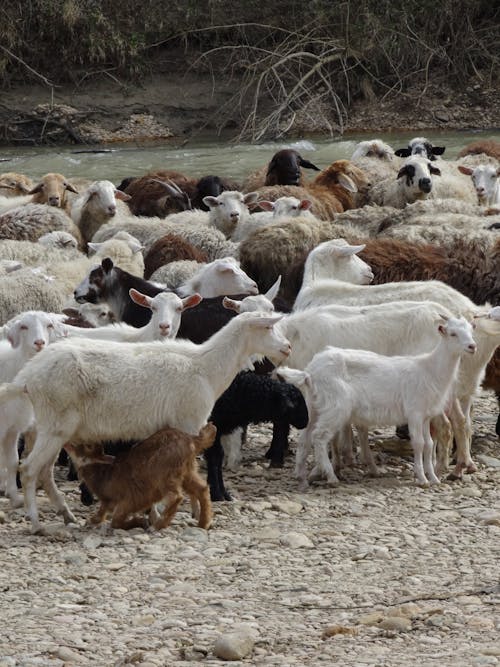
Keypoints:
(301, 454)
(458, 423)
(279, 443)
(10, 461)
(443, 437)
(231, 444)
(171, 507)
(45, 450)
(347, 445)
(214, 456)
(418, 443)
(123, 521)
(366, 452)
(429, 454)
(320, 437)
(55, 496)
(99, 515)
(196, 487)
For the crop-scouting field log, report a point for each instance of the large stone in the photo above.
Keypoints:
(234, 645)
(296, 541)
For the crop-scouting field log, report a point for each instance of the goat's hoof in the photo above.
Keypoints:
(67, 516)
(227, 495)
(333, 481)
(219, 496)
(454, 477)
(470, 469)
(303, 486)
(276, 464)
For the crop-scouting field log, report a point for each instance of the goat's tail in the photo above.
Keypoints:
(205, 438)
(8, 391)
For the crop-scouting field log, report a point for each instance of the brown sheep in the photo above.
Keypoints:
(339, 187)
(483, 146)
(285, 168)
(13, 184)
(161, 468)
(52, 190)
(168, 249)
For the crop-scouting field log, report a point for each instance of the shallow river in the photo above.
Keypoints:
(203, 157)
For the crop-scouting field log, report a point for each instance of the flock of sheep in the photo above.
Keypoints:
(140, 312)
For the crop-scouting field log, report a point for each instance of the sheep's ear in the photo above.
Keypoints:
(94, 246)
(273, 290)
(442, 330)
(37, 188)
(347, 183)
(122, 195)
(231, 304)
(14, 334)
(434, 170)
(139, 298)
(70, 187)
(305, 204)
(438, 150)
(465, 170)
(403, 152)
(71, 312)
(308, 165)
(250, 197)
(107, 264)
(403, 171)
(267, 205)
(210, 201)
(191, 301)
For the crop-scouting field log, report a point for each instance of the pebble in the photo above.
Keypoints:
(396, 623)
(68, 655)
(287, 506)
(234, 645)
(489, 461)
(296, 541)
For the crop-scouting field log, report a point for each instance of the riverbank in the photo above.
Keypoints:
(184, 107)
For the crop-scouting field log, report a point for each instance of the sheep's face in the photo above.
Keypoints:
(418, 173)
(422, 147)
(284, 168)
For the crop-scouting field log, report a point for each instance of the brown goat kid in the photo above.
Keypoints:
(161, 468)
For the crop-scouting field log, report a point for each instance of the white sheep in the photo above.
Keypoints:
(88, 393)
(414, 181)
(284, 208)
(26, 336)
(367, 389)
(36, 254)
(376, 159)
(93, 314)
(30, 221)
(420, 146)
(96, 206)
(58, 239)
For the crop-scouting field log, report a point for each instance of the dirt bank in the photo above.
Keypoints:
(104, 111)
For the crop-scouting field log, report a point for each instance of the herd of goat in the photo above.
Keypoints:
(133, 315)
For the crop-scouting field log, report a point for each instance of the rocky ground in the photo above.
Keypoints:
(161, 106)
(374, 573)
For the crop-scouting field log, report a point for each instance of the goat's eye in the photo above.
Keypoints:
(50, 326)
(154, 309)
(453, 335)
(179, 309)
(103, 314)
(23, 327)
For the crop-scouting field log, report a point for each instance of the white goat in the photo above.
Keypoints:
(165, 321)
(87, 393)
(486, 180)
(413, 182)
(367, 389)
(26, 335)
(334, 274)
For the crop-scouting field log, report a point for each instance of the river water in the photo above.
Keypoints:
(203, 157)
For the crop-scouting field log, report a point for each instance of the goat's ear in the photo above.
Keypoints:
(465, 170)
(442, 330)
(37, 188)
(70, 187)
(139, 298)
(266, 205)
(403, 152)
(305, 204)
(434, 170)
(250, 197)
(122, 195)
(347, 183)
(273, 290)
(191, 301)
(308, 165)
(107, 264)
(347, 250)
(438, 150)
(231, 304)
(14, 334)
